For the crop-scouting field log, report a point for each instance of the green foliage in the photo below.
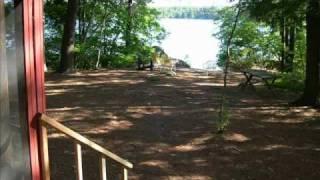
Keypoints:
(55, 11)
(253, 44)
(291, 81)
(273, 12)
(223, 118)
(294, 81)
(257, 43)
(187, 12)
(101, 32)
(124, 60)
(237, 65)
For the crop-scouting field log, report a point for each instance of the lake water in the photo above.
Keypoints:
(191, 40)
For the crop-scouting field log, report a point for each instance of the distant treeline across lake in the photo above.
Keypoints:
(187, 12)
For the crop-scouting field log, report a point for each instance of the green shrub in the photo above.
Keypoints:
(223, 117)
(290, 81)
(240, 65)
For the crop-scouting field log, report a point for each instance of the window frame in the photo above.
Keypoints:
(34, 74)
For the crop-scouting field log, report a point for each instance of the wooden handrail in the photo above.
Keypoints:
(46, 121)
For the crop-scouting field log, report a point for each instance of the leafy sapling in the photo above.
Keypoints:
(224, 117)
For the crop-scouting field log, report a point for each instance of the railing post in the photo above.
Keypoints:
(125, 174)
(103, 168)
(45, 165)
(78, 140)
(78, 155)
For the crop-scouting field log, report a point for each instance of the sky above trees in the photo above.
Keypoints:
(194, 3)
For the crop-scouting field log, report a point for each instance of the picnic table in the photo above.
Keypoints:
(266, 77)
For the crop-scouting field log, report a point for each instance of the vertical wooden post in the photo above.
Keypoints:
(125, 174)
(78, 155)
(103, 168)
(45, 165)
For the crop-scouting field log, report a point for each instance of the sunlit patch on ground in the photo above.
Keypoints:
(111, 126)
(275, 147)
(236, 137)
(188, 148)
(156, 163)
(193, 177)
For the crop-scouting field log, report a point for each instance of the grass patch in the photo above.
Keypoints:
(153, 79)
(290, 81)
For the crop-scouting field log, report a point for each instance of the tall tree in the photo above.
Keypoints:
(102, 28)
(68, 38)
(129, 23)
(285, 16)
(312, 83)
(291, 49)
(296, 10)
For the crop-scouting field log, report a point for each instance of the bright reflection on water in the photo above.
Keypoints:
(191, 40)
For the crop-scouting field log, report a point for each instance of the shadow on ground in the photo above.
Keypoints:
(165, 126)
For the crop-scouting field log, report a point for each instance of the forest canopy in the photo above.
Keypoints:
(279, 35)
(106, 33)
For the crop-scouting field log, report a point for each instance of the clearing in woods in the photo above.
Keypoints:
(165, 126)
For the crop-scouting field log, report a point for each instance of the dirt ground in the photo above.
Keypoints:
(166, 127)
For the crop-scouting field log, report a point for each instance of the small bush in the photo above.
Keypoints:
(237, 65)
(290, 81)
(223, 118)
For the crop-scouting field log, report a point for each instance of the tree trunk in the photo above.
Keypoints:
(129, 25)
(100, 48)
(291, 46)
(228, 60)
(311, 90)
(80, 20)
(68, 39)
(283, 42)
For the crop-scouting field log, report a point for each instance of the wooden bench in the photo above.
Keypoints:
(142, 66)
(266, 77)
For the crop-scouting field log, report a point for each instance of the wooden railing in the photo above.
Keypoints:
(79, 140)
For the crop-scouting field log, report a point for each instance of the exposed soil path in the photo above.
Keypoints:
(165, 126)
